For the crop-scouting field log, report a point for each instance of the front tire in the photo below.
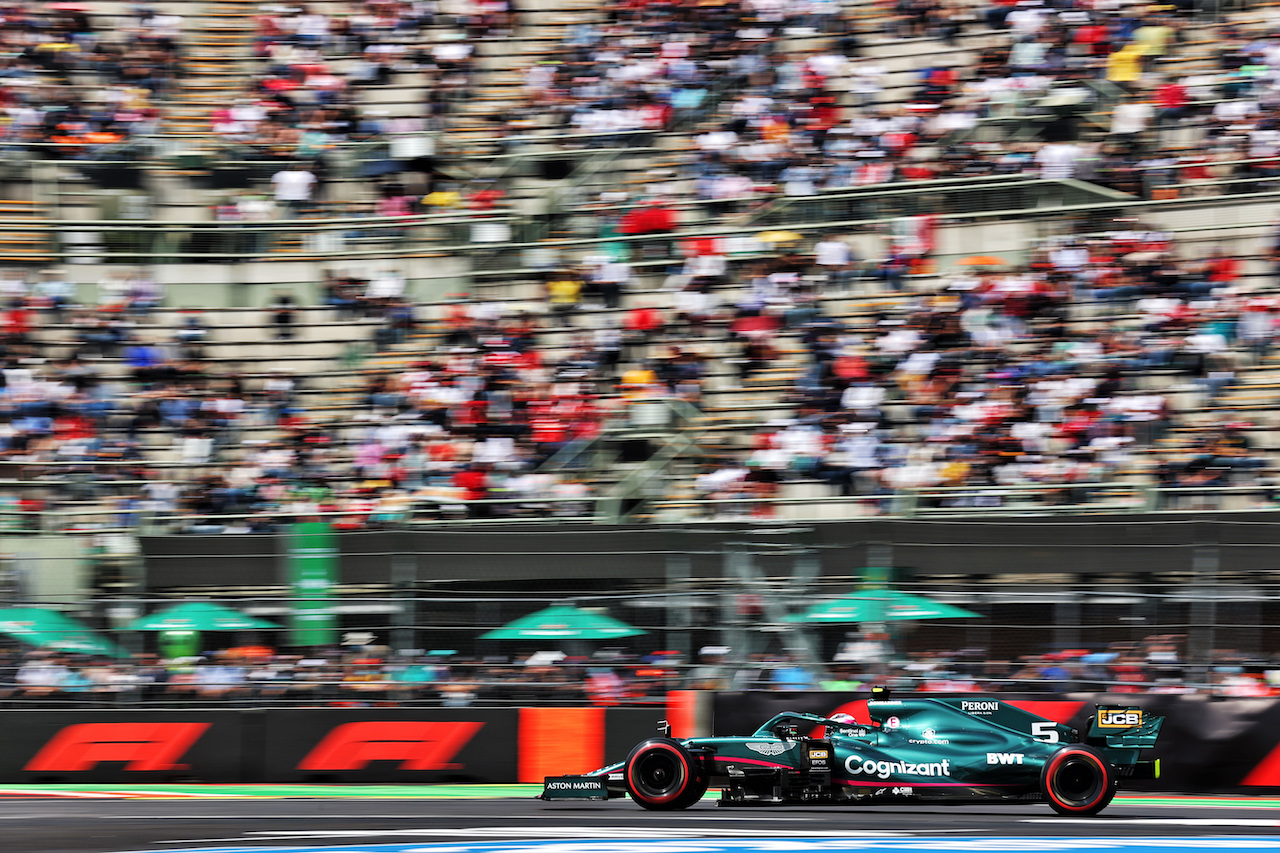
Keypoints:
(662, 775)
(1078, 780)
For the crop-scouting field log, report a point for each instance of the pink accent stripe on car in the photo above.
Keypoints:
(722, 759)
(897, 783)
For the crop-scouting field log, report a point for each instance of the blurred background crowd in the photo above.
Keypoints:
(1115, 362)
(375, 676)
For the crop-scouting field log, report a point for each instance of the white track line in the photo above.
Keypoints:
(1157, 821)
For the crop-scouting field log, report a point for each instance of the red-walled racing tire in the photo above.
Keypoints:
(1078, 780)
(662, 775)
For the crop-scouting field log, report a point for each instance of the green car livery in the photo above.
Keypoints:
(914, 749)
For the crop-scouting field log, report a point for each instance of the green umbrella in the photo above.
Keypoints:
(50, 629)
(198, 616)
(563, 622)
(880, 605)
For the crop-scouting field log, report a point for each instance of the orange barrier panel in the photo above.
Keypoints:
(681, 713)
(559, 741)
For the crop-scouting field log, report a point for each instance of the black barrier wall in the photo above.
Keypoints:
(294, 745)
(1206, 745)
(615, 556)
(90, 746)
(390, 746)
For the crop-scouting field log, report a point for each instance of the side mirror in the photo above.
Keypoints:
(664, 728)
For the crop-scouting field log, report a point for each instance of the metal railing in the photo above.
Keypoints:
(1049, 499)
(208, 685)
(426, 511)
(498, 242)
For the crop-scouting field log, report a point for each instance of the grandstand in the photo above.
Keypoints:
(402, 265)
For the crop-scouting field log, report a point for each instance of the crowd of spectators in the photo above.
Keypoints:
(788, 99)
(470, 421)
(776, 98)
(782, 96)
(1004, 375)
(305, 100)
(335, 678)
(1100, 360)
(356, 677)
(1066, 372)
(80, 79)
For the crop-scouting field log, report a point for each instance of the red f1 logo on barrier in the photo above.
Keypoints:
(145, 746)
(416, 745)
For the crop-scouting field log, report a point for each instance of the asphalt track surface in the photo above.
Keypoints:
(224, 819)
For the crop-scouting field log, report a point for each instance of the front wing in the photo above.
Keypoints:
(574, 788)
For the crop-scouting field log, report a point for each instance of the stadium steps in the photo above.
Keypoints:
(23, 235)
(219, 44)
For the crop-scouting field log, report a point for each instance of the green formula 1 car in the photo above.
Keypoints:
(916, 749)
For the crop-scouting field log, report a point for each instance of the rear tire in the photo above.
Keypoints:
(1078, 780)
(662, 775)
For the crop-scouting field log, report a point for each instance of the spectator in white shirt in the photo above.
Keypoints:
(293, 189)
(1057, 161)
(834, 257)
(56, 292)
(387, 284)
(1132, 117)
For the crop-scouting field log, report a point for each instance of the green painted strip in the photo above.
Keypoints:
(474, 792)
(414, 792)
(1233, 801)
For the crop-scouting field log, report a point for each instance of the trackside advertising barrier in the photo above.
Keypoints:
(52, 746)
(1206, 745)
(317, 745)
(390, 746)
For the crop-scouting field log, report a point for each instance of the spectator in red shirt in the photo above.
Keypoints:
(1221, 269)
(640, 324)
(1171, 98)
(17, 322)
(1094, 38)
(1171, 104)
(474, 482)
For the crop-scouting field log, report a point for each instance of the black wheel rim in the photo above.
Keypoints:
(1077, 781)
(658, 773)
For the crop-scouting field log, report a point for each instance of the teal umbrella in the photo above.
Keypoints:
(198, 616)
(50, 629)
(880, 605)
(563, 622)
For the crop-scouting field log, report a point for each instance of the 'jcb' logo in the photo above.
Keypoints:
(145, 746)
(1112, 718)
(417, 746)
(1004, 757)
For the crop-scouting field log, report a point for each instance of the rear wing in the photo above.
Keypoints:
(1123, 727)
